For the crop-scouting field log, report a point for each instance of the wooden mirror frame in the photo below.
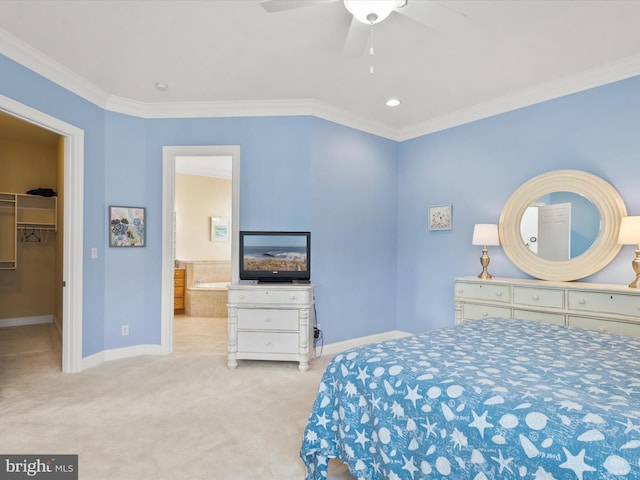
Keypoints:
(606, 199)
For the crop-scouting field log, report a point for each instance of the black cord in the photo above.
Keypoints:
(317, 333)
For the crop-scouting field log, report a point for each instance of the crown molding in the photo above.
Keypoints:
(263, 108)
(31, 58)
(625, 68)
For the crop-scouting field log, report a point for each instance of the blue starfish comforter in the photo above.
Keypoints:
(489, 399)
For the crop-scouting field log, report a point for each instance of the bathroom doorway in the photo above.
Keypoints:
(203, 211)
(200, 235)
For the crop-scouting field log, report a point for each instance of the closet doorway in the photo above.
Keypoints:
(210, 261)
(66, 286)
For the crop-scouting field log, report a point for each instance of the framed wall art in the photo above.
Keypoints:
(219, 229)
(440, 217)
(126, 227)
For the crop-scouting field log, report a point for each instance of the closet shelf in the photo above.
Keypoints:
(21, 215)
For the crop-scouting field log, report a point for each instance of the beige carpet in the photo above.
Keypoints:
(184, 416)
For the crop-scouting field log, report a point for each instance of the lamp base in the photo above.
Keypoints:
(635, 263)
(484, 261)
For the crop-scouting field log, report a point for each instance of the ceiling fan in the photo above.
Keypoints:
(366, 13)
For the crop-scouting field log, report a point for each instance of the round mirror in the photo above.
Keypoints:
(562, 225)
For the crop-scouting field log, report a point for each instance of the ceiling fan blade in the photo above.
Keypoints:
(432, 14)
(357, 38)
(273, 6)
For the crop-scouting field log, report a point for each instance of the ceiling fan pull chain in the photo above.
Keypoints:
(371, 49)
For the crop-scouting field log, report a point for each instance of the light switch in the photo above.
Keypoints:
(94, 253)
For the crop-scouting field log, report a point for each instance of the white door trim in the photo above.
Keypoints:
(169, 155)
(73, 226)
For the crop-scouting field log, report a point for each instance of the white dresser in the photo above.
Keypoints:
(271, 322)
(594, 306)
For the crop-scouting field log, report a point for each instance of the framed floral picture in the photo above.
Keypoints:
(440, 217)
(126, 227)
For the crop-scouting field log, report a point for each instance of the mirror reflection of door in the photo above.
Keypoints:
(529, 227)
(554, 231)
(560, 226)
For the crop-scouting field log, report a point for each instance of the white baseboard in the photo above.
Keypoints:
(337, 347)
(20, 321)
(118, 354)
(139, 350)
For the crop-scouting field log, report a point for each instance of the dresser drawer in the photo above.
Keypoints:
(261, 342)
(288, 297)
(472, 311)
(178, 281)
(178, 291)
(610, 326)
(178, 303)
(616, 303)
(267, 319)
(539, 297)
(482, 291)
(556, 318)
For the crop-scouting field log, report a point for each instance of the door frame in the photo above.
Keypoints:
(169, 154)
(72, 250)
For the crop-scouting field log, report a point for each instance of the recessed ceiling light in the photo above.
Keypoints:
(162, 86)
(393, 102)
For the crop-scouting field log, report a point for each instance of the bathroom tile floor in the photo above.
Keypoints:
(200, 335)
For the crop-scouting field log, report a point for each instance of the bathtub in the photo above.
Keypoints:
(206, 299)
(211, 285)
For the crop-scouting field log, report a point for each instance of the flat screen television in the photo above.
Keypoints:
(275, 256)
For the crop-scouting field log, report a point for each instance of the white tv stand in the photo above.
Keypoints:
(271, 321)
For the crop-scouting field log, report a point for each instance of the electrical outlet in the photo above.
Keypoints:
(125, 330)
(316, 332)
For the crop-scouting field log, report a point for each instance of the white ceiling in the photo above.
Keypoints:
(232, 57)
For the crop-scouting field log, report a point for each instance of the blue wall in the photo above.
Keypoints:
(477, 166)
(353, 210)
(364, 198)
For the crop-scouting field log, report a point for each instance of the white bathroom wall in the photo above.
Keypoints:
(198, 198)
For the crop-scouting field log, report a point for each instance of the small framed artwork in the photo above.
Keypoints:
(126, 227)
(440, 217)
(219, 229)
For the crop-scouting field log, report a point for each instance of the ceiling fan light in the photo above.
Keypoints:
(393, 102)
(372, 11)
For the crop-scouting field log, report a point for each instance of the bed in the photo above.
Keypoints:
(488, 399)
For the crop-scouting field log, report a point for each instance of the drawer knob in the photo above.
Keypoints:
(498, 294)
(536, 297)
(461, 290)
(267, 343)
(267, 320)
(292, 297)
(241, 297)
(485, 314)
(582, 301)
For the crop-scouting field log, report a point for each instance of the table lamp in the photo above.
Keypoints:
(630, 235)
(485, 234)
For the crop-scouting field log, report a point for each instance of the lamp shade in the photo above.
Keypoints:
(629, 231)
(373, 11)
(485, 234)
